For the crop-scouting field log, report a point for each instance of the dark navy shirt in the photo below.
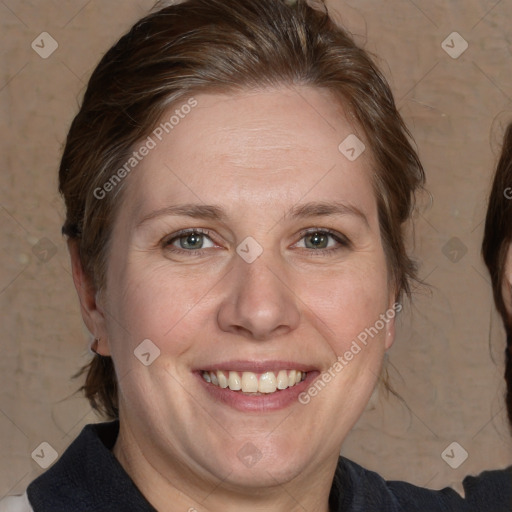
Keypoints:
(88, 478)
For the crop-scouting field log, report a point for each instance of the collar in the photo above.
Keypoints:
(88, 477)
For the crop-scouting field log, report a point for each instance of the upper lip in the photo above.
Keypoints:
(256, 366)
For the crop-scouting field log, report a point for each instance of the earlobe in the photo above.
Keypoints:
(394, 307)
(390, 334)
(92, 313)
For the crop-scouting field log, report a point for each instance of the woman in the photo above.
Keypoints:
(235, 182)
(496, 250)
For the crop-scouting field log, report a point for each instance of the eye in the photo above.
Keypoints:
(191, 241)
(322, 240)
(318, 240)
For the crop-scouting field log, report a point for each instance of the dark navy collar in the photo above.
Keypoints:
(88, 477)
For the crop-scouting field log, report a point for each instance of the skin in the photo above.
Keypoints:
(256, 155)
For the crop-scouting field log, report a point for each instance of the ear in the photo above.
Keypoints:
(390, 334)
(506, 285)
(88, 296)
(394, 307)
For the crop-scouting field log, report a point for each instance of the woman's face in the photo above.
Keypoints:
(247, 243)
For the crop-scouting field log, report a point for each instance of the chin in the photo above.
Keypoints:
(264, 477)
(269, 465)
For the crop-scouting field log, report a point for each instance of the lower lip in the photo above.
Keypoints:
(258, 403)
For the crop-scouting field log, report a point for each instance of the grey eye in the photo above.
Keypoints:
(192, 241)
(318, 240)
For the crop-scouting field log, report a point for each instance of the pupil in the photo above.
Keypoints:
(192, 241)
(318, 240)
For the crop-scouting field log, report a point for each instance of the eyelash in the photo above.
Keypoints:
(167, 242)
(340, 239)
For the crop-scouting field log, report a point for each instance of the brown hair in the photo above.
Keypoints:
(497, 239)
(223, 45)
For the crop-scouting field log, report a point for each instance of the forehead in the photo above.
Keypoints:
(264, 146)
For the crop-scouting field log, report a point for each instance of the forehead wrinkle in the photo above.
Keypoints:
(257, 147)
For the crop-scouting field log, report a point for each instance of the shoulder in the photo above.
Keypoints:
(491, 490)
(395, 496)
(419, 499)
(88, 477)
(15, 504)
(356, 489)
(71, 478)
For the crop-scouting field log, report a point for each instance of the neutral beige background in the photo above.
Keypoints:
(447, 359)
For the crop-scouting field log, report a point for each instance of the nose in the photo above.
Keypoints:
(259, 304)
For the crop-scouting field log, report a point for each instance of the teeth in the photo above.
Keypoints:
(249, 382)
(267, 383)
(223, 381)
(234, 382)
(282, 380)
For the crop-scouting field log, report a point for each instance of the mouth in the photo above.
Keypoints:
(256, 386)
(254, 383)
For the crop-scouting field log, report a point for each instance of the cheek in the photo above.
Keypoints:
(347, 304)
(154, 304)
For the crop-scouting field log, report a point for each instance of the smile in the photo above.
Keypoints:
(250, 382)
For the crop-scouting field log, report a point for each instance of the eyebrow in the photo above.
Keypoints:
(197, 211)
(324, 209)
(217, 213)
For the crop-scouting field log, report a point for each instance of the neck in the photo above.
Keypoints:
(175, 486)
